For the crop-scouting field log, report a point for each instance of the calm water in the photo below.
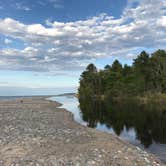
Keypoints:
(139, 125)
(22, 91)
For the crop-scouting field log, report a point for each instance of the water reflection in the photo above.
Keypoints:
(148, 121)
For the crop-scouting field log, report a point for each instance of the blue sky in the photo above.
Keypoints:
(60, 10)
(46, 44)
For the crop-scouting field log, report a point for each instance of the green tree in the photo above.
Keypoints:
(116, 66)
(146, 75)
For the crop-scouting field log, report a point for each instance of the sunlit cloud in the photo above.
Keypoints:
(21, 6)
(7, 41)
(59, 46)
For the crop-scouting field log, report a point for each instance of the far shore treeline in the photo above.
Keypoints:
(146, 77)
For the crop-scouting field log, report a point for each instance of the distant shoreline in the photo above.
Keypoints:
(26, 96)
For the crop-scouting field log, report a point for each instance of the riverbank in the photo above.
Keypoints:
(34, 131)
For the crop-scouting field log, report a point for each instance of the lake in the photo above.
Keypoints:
(138, 124)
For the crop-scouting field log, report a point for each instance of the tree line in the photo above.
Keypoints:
(146, 75)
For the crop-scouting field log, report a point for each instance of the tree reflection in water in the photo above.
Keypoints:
(148, 121)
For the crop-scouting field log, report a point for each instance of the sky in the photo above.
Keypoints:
(46, 44)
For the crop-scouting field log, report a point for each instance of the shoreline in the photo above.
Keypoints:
(51, 134)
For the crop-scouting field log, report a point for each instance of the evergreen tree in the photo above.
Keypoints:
(147, 74)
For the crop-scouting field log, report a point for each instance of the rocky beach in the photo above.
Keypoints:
(34, 131)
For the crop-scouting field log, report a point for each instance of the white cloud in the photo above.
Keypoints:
(20, 6)
(56, 3)
(162, 21)
(71, 45)
(7, 41)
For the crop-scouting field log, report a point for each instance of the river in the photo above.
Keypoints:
(139, 135)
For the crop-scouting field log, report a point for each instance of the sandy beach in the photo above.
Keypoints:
(34, 131)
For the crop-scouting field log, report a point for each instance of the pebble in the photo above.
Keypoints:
(126, 158)
(146, 160)
(68, 140)
(91, 162)
(138, 148)
(115, 157)
(100, 156)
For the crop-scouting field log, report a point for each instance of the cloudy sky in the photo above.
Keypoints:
(48, 43)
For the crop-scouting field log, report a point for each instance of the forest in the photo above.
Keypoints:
(145, 77)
